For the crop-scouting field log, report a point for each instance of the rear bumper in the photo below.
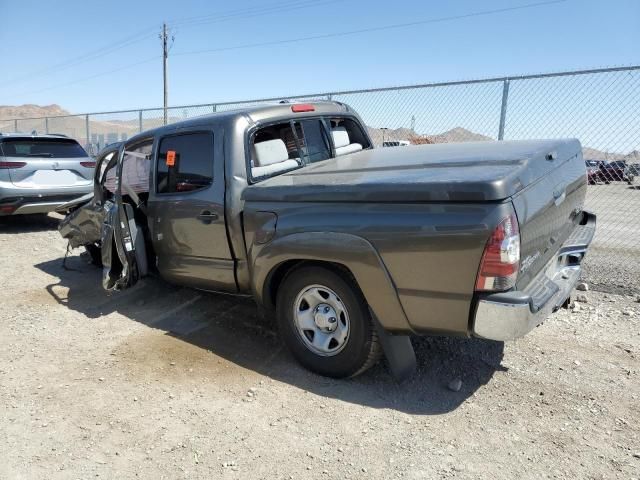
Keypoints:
(510, 315)
(16, 201)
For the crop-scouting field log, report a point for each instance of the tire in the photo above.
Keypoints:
(354, 346)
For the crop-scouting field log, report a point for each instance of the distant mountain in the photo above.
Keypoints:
(378, 135)
(593, 154)
(458, 134)
(30, 110)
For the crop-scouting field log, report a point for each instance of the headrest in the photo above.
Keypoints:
(270, 152)
(340, 137)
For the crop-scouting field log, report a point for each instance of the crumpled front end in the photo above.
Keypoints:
(83, 226)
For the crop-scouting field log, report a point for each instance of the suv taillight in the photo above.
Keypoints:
(4, 165)
(501, 258)
(88, 164)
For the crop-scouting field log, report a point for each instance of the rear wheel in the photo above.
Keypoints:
(324, 320)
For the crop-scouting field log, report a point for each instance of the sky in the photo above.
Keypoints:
(97, 56)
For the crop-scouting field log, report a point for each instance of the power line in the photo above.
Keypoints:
(250, 12)
(373, 29)
(315, 37)
(100, 74)
(150, 32)
(91, 55)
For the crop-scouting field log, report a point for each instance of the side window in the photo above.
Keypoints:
(347, 136)
(185, 163)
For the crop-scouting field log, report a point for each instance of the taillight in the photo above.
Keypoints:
(8, 208)
(302, 107)
(501, 258)
(12, 164)
(88, 164)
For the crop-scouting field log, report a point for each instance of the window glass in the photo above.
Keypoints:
(135, 168)
(283, 147)
(354, 134)
(185, 163)
(276, 149)
(314, 142)
(42, 147)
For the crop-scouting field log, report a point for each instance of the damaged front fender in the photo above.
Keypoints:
(83, 226)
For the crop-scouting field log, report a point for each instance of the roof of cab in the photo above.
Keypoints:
(256, 113)
(32, 135)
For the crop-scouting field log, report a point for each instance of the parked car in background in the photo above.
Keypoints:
(351, 248)
(594, 175)
(396, 143)
(616, 171)
(38, 173)
(634, 169)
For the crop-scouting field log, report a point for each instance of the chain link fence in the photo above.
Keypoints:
(600, 107)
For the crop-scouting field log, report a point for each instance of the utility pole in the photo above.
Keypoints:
(164, 36)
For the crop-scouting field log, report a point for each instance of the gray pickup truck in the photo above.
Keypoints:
(352, 248)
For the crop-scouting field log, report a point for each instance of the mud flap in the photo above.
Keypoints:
(399, 352)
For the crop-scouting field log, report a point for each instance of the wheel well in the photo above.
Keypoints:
(280, 272)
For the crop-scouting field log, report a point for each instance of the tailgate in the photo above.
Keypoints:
(52, 173)
(549, 209)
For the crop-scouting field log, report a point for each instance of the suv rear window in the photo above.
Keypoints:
(42, 147)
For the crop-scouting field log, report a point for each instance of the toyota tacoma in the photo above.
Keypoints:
(351, 248)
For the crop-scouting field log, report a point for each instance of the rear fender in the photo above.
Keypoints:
(353, 252)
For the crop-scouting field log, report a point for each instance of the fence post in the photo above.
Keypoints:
(15, 125)
(214, 108)
(140, 121)
(86, 126)
(46, 125)
(503, 109)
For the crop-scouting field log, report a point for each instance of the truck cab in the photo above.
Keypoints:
(177, 190)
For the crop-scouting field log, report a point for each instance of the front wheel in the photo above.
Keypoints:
(324, 320)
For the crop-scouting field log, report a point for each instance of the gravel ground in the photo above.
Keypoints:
(164, 382)
(613, 264)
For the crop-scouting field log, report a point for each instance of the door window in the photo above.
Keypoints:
(185, 163)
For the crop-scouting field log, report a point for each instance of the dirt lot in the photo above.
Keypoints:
(163, 382)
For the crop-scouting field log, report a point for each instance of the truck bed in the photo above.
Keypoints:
(429, 210)
(462, 172)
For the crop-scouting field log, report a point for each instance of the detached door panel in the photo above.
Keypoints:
(186, 212)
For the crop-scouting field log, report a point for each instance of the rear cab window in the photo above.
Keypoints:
(185, 163)
(42, 147)
(281, 147)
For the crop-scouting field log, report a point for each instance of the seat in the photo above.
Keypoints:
(342, 142)
(271, 157)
